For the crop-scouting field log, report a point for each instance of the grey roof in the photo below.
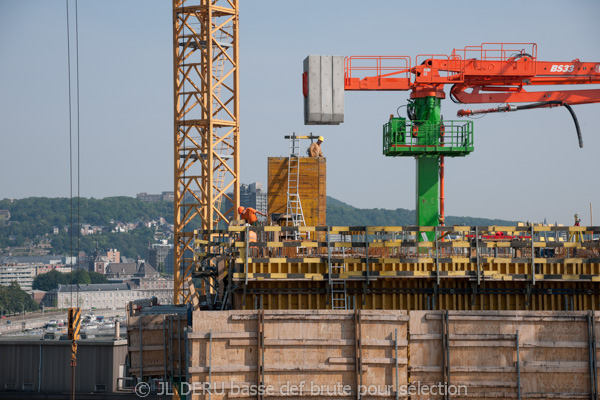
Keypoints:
(94, 287)
(131, 269)
(39, 259)
(10, 260)
(147, 270)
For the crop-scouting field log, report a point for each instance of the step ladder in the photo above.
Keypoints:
(294, 205)
(337, 286)
(338, 290)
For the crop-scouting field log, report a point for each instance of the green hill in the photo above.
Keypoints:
(33, 219)
(340, 213)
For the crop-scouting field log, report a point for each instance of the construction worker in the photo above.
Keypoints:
(315, 149)
(249, 214)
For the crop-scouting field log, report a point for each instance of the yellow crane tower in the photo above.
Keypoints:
(206, 126)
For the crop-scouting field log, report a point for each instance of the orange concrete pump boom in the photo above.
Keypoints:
(493, 72)
(489, 73)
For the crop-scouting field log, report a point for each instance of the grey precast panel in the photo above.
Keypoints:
(323, 90)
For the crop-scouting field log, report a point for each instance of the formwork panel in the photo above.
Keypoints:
(499, 354)
(311, 351)
(506, 354)
(422, 294)
(312, 187)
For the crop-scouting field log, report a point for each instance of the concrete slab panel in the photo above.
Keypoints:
(326, 89)
(338, 89)
(312, 102)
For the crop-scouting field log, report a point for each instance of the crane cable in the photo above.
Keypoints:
(74, 313)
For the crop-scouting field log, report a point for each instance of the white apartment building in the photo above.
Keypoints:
(22, 274)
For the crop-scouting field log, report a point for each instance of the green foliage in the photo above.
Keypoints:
(342, 214)
(51, 280)
(45, 213)
(96, 277)
(35, 217)
(48, 281)
(130, 244)
(13, 298)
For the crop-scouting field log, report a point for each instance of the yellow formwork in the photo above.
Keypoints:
(389, 268)
(423, 295)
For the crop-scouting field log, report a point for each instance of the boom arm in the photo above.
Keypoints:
(490, 73)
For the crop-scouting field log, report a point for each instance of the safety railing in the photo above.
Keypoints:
(402, 137)
(402, 242)
(497, 51)
(377, 73)
(490, 59)
(525, 253)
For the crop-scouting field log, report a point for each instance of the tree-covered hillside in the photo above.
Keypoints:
(33, 219)
(340, 213)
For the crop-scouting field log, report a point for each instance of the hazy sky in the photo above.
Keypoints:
(526, 165)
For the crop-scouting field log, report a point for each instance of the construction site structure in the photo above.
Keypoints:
(355, 354)
(307, 178)
(386, 267)
(206, 126)
(507, 312)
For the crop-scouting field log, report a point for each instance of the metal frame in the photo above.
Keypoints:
(206, 123)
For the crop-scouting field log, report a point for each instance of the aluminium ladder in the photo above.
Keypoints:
(337, 286)
(294, 205)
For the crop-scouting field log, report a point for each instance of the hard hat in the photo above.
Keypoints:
(321, 138)
(241, 209)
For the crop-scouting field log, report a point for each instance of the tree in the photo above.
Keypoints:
(96, 277)
(13, 299)
(49, 281)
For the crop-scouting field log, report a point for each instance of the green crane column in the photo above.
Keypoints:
(428, 110)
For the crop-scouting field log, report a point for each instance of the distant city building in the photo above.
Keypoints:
(131, 270)
(251, 195)
(99, 261)
(161, 256)
(38, 297)
(4, 215)
(113, 255)
(87, 229)
(43, 260)
(111, 295)
(44, 269)
(23, 269)
(22, 274)
(153, 198)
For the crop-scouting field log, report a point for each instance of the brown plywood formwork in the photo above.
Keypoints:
(471, 354)
(312, 188)
(310, 352)
(497, 354)
(161, 351)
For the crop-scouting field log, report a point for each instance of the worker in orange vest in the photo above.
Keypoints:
(249, 214)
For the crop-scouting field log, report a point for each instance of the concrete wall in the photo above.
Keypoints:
(97, 364)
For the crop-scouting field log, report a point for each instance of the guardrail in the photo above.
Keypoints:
(405, 244)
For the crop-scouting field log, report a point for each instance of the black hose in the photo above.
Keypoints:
(579, 137)
(541, 104)
(558, 103)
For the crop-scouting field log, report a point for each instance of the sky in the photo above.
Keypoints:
(526, 166)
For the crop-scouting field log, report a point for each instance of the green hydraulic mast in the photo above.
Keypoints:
(426, 136)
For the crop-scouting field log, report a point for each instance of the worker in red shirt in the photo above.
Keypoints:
(249, 214)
